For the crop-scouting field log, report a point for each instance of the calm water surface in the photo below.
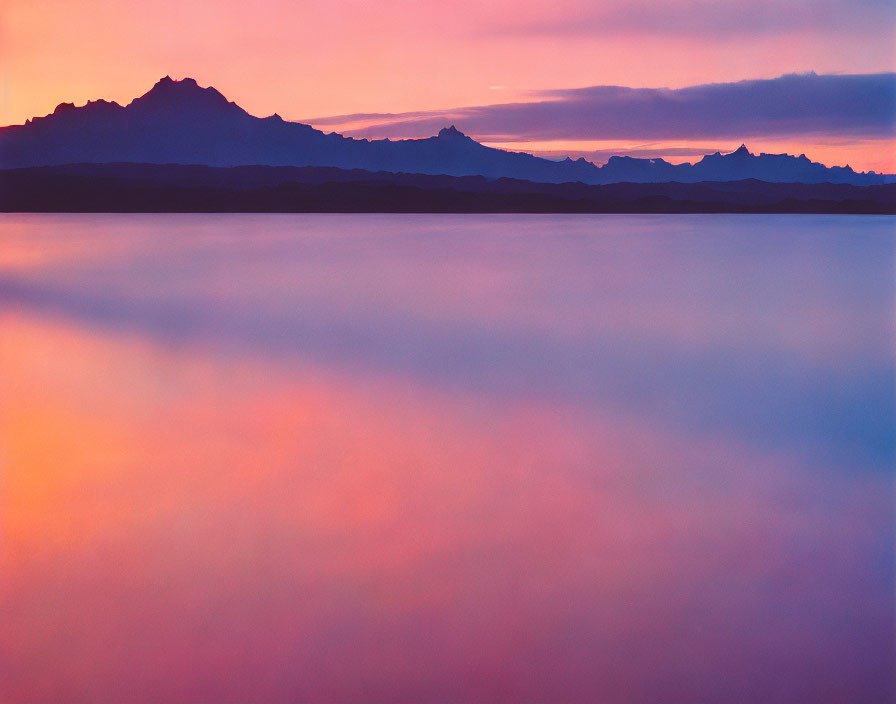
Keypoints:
(369, 458)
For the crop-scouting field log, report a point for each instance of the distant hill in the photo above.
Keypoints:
(740, 164)
(176, 188)
(179, 122)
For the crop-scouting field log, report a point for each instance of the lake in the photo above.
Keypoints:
(431, 458)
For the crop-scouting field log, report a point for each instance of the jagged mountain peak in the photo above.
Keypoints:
(168, 83)
(452, 132)
(168, 93)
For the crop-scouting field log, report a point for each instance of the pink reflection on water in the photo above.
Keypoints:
(181, 525)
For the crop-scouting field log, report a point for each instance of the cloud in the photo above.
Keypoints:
(861, 105)
(710, 19)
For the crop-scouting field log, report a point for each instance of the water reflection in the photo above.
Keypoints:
(375, 458)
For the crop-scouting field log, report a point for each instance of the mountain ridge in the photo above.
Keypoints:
(181, 122)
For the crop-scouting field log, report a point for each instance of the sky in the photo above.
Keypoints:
(315, 61)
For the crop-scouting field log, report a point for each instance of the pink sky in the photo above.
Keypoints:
(328, 58)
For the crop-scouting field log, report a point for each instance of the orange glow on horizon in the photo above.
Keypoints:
(872, 154)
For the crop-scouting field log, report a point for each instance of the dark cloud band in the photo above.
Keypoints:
(855, 106)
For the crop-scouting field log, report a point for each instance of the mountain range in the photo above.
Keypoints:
(180, 122)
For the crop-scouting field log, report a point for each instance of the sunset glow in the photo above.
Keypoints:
(304, 60)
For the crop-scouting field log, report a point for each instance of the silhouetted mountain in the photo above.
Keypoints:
(740, 164)
(179, 122)
(176, 188)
